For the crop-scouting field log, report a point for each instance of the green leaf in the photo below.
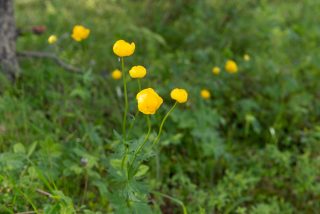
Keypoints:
(143, 169)
(19, 148)
(32, 148)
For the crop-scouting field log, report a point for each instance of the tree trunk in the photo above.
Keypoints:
(8, 59)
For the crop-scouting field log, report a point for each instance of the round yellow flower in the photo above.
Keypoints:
(122, 48)
(180, 95)
(246, 57)
(205, 94)
(116, 74)
(52, 39)
(216, 70)
(148, 101)
(231, 66)
(138, 71)
(80, 33)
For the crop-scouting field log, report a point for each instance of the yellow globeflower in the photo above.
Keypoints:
(231, 66)
(205, 94)
(180, 95)
(80, 33)
(148, 101)
(246, 57)
(122, 48)
(138, 71)
(52, 39)
(116, 74)
(216, 70)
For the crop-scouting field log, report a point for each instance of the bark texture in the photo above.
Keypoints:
(8, 59)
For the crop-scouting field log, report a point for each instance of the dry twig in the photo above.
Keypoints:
(55, 58)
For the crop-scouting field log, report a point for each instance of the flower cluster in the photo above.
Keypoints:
(230, 66)
(148, 99)
(79, 33)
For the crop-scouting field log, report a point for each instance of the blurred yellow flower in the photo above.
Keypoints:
(205, 94)
(246, 57)
(116, 74)
(138, 71)
(216, 70)
(180, 95)
(52, 39)
(231, 66)
(148, 101)
(80, 33)
(122, 48)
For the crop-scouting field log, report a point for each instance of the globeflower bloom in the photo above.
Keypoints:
(148, 101)
(231, 66)
(205, 94)
(246, 57)
(216, 70)
(52, 39)
(80, 33)
(138, 72)
(116, 74)
(122, 48)
(179, 95)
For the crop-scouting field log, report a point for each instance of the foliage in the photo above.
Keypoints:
(252, 147)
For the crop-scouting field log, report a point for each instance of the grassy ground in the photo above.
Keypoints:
(253, 147)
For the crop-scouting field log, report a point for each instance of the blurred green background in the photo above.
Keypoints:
(252, 148)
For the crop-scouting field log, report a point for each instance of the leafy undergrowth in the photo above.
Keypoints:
(253, 147)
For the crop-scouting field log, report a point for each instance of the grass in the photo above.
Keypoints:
(251, 148)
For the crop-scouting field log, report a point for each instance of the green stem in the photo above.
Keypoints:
(125, 101)
(144, 142)
(162, 123)
(132, 123)
(158, 172)
(174, 200)
(137, 113)
(139, 85)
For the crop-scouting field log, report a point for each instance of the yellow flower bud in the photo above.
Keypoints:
(80, 33)
(216, 70)
(138, 72)
(180, 95)
(116, 74)
(246, 57)
(148, 101)
(231, 66)
(205, 94)
(52, 39)
(122, 48)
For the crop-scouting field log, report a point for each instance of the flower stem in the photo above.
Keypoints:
(125, 101)
(139, 85)
(144, 141)
(162, 123)
(136, 114)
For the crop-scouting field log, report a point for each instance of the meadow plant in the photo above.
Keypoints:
(128, 163)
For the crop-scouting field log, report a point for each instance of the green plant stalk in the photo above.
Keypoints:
(139, 85)
(132, 123)
(137, 113)
(28, 200)
(125, 101)
(126, 106)
(174, 200)
(162, 123)
(144, 141)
